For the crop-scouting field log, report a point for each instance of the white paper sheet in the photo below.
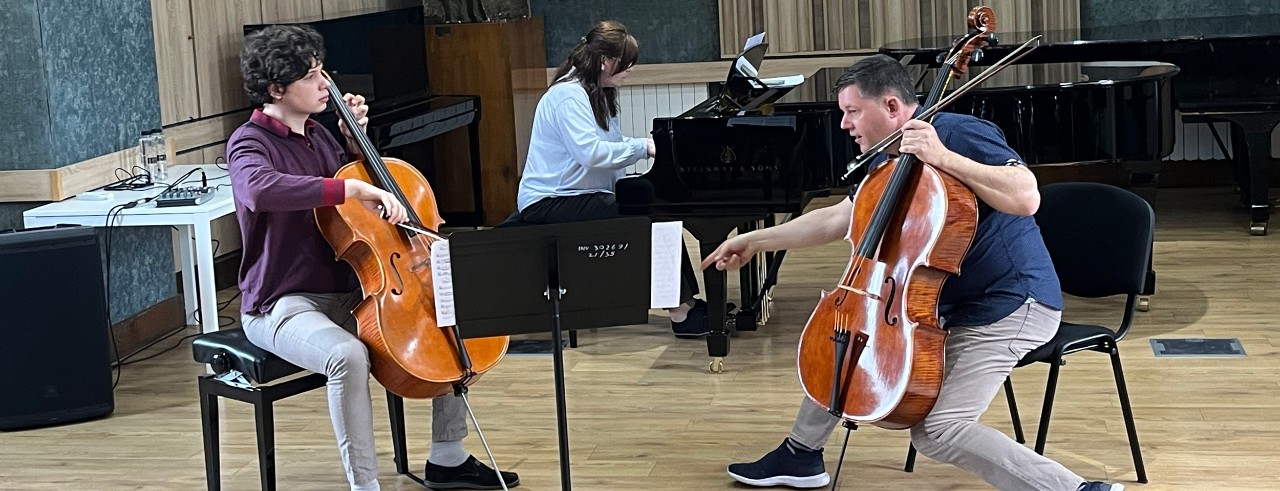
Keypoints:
(442, 282)
(742, 65)
(668, 238)
(779, 82)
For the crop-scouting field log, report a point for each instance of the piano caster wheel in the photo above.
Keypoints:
(1144, 304)
(1258, 228)
(717, 365)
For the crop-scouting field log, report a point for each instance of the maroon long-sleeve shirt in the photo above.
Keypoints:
(278, 178)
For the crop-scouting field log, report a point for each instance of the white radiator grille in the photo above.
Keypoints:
(639, 104)
(1194, 141)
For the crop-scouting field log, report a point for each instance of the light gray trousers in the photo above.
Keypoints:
(307, 330)
(977, 361)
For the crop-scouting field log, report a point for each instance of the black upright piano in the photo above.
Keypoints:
(1227, 71)
(753, 150)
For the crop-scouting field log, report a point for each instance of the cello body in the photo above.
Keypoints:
(409, 354)
(893, 365)
(873, 351)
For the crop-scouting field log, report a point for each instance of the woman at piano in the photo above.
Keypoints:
(577, 151)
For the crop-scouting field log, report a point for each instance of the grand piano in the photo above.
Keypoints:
(1226, 72)
(753, 150)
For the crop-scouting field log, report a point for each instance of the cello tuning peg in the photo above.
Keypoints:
(976, 56)
(993, 40)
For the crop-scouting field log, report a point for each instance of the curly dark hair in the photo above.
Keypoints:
(278, 55)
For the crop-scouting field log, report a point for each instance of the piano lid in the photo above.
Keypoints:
(1222, 61)
(742, 91)
(1046, 76)
(1237, 27)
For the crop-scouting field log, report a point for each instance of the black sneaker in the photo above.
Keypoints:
(787, 465)
(694, 324)
(471, 474)
(1100, 486)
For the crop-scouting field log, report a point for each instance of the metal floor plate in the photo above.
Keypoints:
(1198, 348)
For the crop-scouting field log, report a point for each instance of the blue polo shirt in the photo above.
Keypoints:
(1007, 264)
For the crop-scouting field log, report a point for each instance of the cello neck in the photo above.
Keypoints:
(981, 24)
(373, 162)
(885, 207)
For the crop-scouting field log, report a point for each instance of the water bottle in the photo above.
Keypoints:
(145, 153)
(161, 171)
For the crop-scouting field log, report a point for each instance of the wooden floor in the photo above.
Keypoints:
(645, 413)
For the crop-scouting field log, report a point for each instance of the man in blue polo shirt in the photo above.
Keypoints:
(1005, 303)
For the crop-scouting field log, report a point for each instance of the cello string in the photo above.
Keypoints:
(483, 442)
(374, 162)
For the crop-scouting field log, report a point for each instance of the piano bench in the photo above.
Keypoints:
(245, 372)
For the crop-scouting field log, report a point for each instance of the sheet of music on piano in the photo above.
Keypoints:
(746, 68)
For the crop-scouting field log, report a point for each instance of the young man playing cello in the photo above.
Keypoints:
(1006, 302)
(296, 297)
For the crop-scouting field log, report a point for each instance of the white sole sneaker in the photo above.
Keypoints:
(817, 481)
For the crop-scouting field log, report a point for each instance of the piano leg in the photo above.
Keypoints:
(749, 283)
(717, 291)
(711, 232)
(1253, 154)
(1257, 129)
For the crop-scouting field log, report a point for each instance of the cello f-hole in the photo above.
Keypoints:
(893, 291)
(399, 281)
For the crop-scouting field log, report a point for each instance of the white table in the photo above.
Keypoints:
(192, 223)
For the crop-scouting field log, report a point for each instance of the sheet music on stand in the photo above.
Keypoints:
(664, 282)
(554, 278)
(742, 64)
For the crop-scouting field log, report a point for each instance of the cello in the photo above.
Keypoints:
(872, 351)
(409, 354)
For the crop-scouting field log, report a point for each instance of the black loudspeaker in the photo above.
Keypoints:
(55, 366)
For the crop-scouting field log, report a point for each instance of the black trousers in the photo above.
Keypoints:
(595, 206)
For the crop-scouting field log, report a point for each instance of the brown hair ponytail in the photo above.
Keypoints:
(607, 39)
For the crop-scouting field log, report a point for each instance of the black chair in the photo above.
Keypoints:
(1099, 237)
(242, 372)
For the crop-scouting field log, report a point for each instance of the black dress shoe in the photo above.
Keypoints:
(471, 474)
(695, 324)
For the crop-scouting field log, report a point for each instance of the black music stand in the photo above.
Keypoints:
(524, 280)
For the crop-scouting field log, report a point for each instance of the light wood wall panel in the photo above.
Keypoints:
(290, 10)
(338, 8)
(818, 26)
(175, 51)
(218, 28)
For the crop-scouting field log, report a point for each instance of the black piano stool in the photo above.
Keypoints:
(242, 372)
